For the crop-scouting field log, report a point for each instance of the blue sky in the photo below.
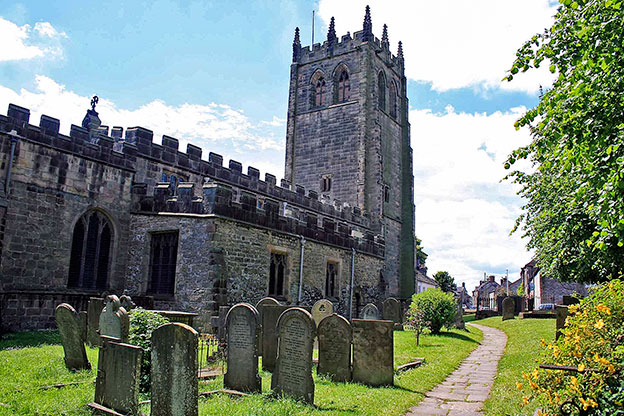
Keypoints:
(216, 74)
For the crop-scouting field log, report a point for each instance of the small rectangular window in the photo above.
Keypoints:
(330, 280)
(163, 257)
(277, 274)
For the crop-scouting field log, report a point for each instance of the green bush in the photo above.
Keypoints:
(434, 307)
(142, 324)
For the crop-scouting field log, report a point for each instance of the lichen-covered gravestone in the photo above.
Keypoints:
(268, 301)
(293, 370)
(334, 357)
(459, 316)
(509, 308)
(373, 352)
(127, 303)
(68, 323)
(371, 312)
(270, 315)
(94, 310)
(561, 312)
(321, 309)
(117, 381)
(114, 320)
(392, 312)
(242, 354)
(174, 370)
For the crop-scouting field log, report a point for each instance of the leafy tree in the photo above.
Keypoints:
(142, 323)
(445, 281)
(574, 217)
(420, 254)
(432, 308)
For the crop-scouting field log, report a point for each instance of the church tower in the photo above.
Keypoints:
(348, 137)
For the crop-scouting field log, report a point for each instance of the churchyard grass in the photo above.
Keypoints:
(521, 354)
(26, 366)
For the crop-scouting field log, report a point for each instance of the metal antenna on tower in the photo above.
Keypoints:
(312, 29)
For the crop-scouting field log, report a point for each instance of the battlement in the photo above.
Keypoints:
(255, 208)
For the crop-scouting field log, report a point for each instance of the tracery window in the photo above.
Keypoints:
(319, 92)
(393, 100)
(90, 253)
(163, 258)
(344, 87)
(330, 279)
(277, 273)
(381, 91)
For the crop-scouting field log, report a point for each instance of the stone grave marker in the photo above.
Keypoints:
(561, 312)
(373, 352)
(69, 325)
(83, 319)
(391, 311)
(259, 307)
(127, 303)
(118, 375)
(334, 357)
(114, 320)
(321, 309)
(293, 369)
(218, 322)
(174, 370)
(94, 310)
(509, 308)
(459, 316)
(242, 354)
(371, 312)
(270, 315)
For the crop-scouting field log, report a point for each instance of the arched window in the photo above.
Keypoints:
(90, 253)
(381, 91)
(319, 92)
(393, 100)
(344, 87)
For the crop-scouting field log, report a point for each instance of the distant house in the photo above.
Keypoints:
(462, 293)
(424, 282)
(540, 290)
(484, 294)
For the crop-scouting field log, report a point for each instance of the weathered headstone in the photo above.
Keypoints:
(270, 315)
(334, 357)
(242, 355)
(114, 320)
(259, 307)
(293, 370)
(562, 313)
(218, 322)
(321, 309)
(127, 303)
(94, 310)
(509, 307)
(371, 312)
(373, 352)
(459, 316)
(83, 319)
(391, 311)
(118, 375)
(69, 325)
(174, 370)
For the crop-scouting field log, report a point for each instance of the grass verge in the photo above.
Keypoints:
(521, 354)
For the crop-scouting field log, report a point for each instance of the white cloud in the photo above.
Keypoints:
(24, 42)
(454, 43)
(215, 127)
(463, 212)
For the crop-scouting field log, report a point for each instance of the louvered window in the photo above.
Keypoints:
(344, 87)
(90, 253)
(164, 253)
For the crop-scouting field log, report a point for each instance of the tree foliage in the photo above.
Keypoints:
(574, 217)
(420, 253)
(142, 323)
(433, 308)
(445, 281)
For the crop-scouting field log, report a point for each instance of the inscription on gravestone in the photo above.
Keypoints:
(70, 328)
(334, 337)
(371, 312)
(242, 355)
(293, 369)
(373, 352)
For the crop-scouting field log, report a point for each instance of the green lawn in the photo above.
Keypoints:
(521, 354)
(25, 366)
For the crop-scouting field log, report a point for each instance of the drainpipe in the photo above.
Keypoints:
(303, 241)
(14, 140)
(351, 287)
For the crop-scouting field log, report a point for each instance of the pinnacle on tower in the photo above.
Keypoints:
(296, 46)
(367, 28)
(331, 33)
(400, 52)
(384, 37)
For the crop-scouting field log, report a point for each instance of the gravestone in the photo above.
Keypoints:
(373, 352)
(391, 311)
(83, 319)
(371, 312)
(94, 310)
(69, 325)
(321, 309)
(127, 303)
(459, 316)
(114, 320)
(570, 300)
(270, 315)
(509, 307)
(218, 322)
(118, 375)
(242, 354)
(293, 369)
(334, 357)
(259, 307)
(561, 311)
(174, 370)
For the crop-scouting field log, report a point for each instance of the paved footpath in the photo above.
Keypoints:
(465, 389)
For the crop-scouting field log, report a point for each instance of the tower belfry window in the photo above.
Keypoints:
(381, 91)
(344, 87)
(319, 92)
(326, 183)
(393, 100)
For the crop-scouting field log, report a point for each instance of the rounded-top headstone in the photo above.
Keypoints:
(509, 308)
(335, 336)
(371, 312)
(114, 320)
(321, 309)
(268, 301)
(242, 353)
(392, 310)
(68, 323)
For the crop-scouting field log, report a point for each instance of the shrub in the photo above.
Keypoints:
(434, 307)
(142, 324)
(593, 342)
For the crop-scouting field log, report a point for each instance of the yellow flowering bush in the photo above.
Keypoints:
(592, 342)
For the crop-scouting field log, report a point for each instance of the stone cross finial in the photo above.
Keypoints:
(331, 33)
(296, 46)
(367, 28)
(94, 102)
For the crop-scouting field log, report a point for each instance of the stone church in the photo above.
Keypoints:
(105, 210)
